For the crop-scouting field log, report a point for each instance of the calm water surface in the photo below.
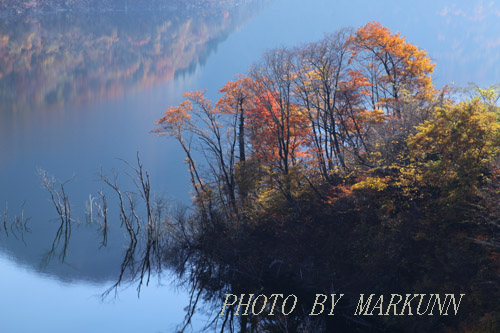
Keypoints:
(79, 92)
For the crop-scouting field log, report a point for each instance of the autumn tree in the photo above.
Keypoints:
(237, 100)
(456, 150)
(337, 165)
(393, 66)
(323, 66)
(279, 129)
(273, 116)
(197, 121)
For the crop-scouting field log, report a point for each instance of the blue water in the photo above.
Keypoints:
(80, 116)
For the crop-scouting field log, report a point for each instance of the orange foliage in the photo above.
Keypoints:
(237, 95)
(174, 119)
(272, 127)
(397, 66)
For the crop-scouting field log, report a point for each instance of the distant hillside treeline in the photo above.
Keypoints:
(13, 7)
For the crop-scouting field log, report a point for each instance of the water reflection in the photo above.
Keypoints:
(18, 226)
(152, 227)
(67, 103)
(57, 71)
(52, 61)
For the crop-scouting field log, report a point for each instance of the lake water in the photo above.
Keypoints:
(81, 91)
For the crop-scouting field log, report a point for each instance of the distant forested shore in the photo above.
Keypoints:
(15, 7)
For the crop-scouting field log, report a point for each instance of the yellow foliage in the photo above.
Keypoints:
(371, 183)
(454, 150)
(375, 116)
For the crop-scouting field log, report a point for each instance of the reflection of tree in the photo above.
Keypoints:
(150, 257)
(53, 60)
(62, 205)
(18, 226)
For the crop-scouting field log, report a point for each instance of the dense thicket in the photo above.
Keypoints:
(338, 167)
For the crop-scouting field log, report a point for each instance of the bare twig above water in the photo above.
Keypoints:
(144, 230)
(103, 213)
(62, 205)
(127, 220)
(89, 209)
(96, 212)
(19, 225)
(5, 219)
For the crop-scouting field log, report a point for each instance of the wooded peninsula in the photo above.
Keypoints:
(338, 167)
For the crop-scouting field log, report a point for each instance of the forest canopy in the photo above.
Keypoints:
(337, 166)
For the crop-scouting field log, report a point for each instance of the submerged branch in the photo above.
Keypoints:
(62, 205)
